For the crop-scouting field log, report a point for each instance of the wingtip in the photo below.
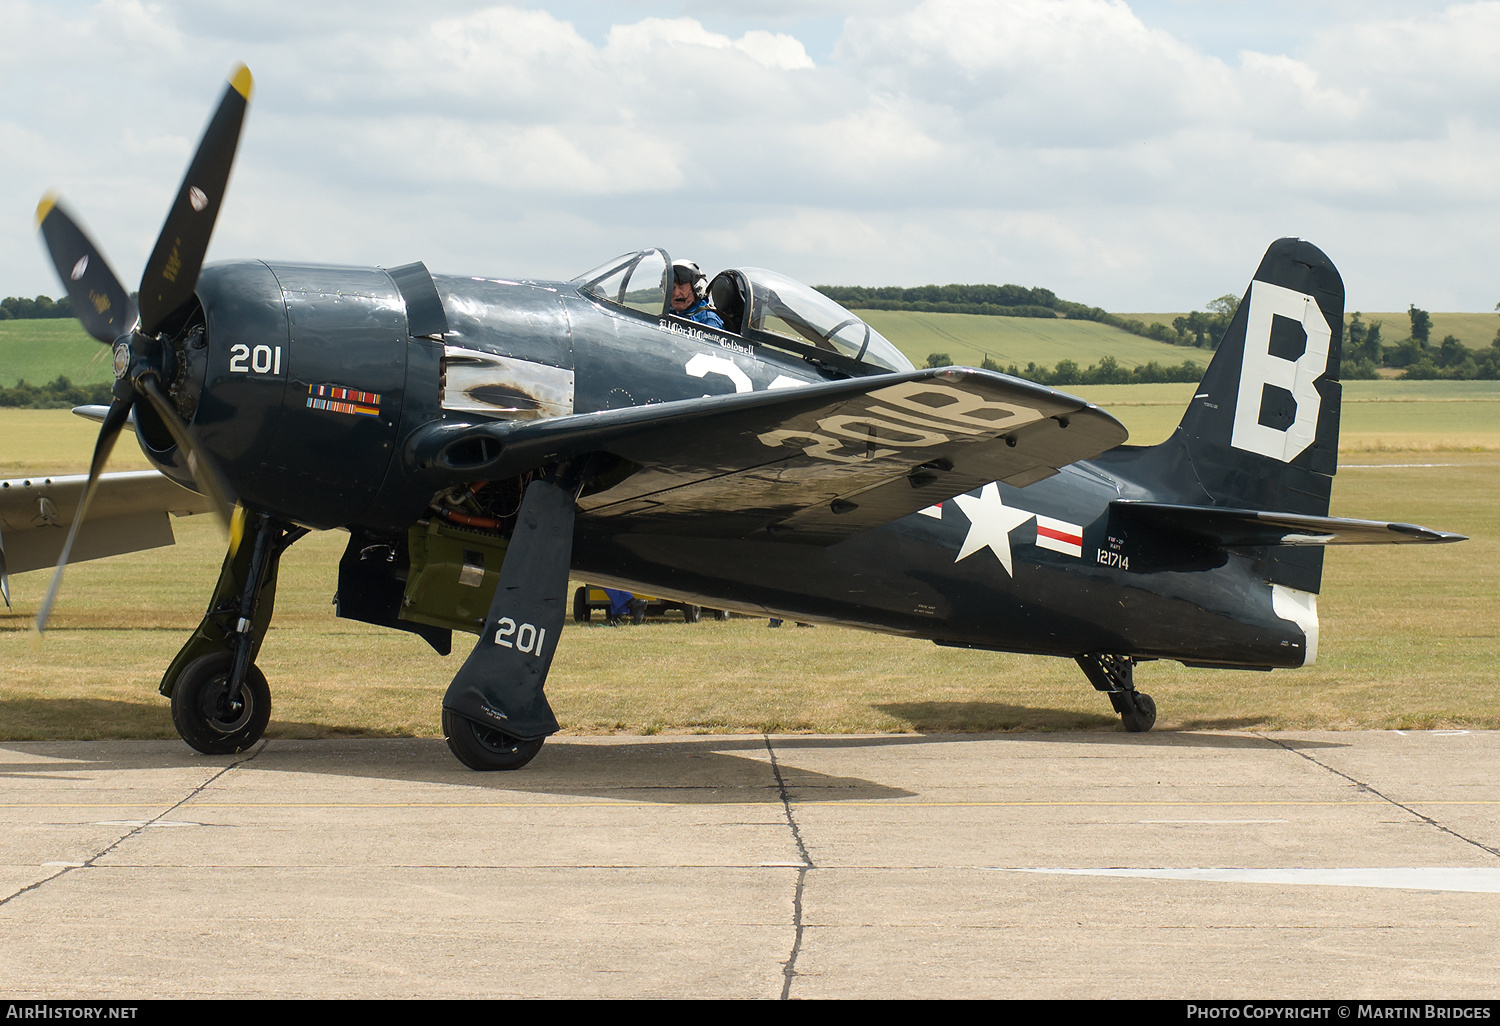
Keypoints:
(242, 81)
(44, 208)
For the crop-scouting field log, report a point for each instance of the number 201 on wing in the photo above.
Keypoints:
(528, 638)
(261, 359)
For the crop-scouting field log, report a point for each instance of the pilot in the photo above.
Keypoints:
(690, 294)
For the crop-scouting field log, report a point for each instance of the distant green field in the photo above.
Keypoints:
(1475, 330)
(969, 338)
(1377, 416)
(42, 350)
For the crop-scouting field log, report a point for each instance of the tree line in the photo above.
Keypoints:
(20, 308)
(1200, 329)
(1416, 356)
(56, 395)
(1365, 350)
(1106, 372)
(1364, 353)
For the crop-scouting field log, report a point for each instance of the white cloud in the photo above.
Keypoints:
(1067, 143)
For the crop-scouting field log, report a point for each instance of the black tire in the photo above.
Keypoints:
(637, 611)
(692, 614)
(1144, 716)
(581, 610)
(196, 711)
(481, 747)
(721, 614)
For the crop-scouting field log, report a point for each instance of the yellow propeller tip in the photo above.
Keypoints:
(241, 81)
(45, 207)
(236, 529)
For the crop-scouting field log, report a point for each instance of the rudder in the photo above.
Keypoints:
(1262, 430)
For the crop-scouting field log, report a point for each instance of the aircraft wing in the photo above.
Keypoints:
(812, 464)
(127, 513)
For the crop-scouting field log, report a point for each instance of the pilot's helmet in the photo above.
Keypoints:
(687, 271)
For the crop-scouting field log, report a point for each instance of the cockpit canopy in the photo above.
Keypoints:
(636, 281)
(756, 304)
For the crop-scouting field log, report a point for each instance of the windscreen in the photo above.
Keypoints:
(637, 281)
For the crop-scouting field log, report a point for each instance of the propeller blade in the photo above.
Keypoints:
(172, 272)
(205, 471)
(119, 411)
(100, 302)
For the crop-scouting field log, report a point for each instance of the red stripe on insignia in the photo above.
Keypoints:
(1063, 536)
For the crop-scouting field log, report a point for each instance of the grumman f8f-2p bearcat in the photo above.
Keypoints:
(480, 438)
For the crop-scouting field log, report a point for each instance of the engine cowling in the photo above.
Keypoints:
(295, 383)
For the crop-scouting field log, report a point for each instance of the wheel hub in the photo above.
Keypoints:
(223, 713)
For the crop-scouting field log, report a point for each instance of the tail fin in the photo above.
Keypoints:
(1262, 432)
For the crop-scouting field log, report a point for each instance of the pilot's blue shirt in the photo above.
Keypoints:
(702, 313)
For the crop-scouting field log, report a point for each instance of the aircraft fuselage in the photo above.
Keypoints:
(326, 367)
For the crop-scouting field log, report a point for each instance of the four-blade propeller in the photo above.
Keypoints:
(107, 312)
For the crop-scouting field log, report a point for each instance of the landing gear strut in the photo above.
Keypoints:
(220, 700)
(1115, 676)
(495, 714)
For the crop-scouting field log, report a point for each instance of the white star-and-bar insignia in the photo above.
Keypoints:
(990, 524)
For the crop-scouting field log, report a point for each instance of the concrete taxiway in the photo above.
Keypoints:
(1172, 865)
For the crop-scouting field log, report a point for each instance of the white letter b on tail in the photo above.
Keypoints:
(1260, 368)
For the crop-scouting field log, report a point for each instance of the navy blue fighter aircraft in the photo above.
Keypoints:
(480, 437)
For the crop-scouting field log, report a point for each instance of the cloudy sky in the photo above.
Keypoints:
(1138, 155)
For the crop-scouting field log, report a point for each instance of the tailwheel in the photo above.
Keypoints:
(1115, 676)
(210, 719)
(481, 747)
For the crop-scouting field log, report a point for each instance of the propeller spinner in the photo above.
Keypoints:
(142, 359)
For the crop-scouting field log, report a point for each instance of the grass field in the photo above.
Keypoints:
(39, 351)
(1377, 416)
(1407, 640)
(1396, 416)
(969, 338)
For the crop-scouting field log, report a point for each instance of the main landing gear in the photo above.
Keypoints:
(221, 702)
(495, 716)
(1115, 676)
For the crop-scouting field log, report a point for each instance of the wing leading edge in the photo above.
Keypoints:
(813, 464)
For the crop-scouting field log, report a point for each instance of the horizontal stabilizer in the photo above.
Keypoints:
(1236, 528)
